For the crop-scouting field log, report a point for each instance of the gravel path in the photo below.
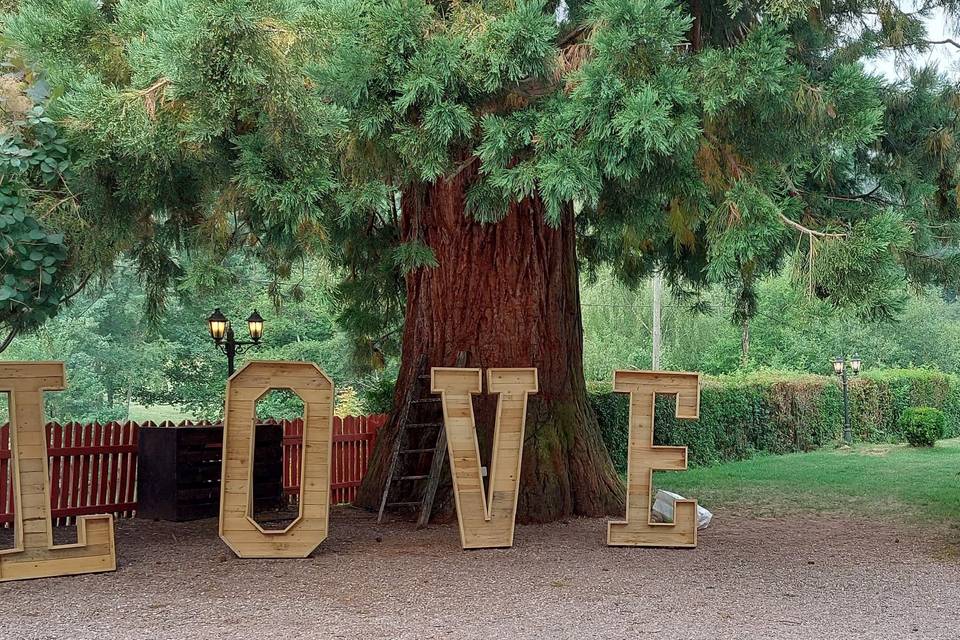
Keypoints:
(799, 577)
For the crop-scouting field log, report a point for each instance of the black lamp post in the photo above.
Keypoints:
(223, 338)
(840, 368)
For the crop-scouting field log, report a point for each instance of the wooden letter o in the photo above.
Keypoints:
(34, 555)
(237, 527)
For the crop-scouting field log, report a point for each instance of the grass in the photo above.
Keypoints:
(157, 412)
(895, 481)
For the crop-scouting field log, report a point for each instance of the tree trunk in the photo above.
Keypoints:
(508, 294)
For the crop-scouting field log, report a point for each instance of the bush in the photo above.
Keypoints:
(923, 426)
(776, 412)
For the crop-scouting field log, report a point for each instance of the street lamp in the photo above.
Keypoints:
(222, 334)
(840, 367)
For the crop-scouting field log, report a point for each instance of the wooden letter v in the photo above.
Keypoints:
(486, 518)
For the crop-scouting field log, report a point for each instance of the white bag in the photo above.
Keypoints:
(663, 509)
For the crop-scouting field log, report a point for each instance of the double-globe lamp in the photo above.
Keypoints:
(840, 367)
(223, 338)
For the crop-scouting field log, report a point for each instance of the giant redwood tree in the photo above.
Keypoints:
(463, 162)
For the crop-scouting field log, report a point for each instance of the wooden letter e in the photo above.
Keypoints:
(643, 457)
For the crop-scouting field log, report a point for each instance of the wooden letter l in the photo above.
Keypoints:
(34, 555)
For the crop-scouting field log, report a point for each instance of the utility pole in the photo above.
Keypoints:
(745, 342)
(657, 312)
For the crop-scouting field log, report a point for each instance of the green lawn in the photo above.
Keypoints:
(888, 480)
(158, 413)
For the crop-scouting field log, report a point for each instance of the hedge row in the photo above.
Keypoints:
(783, 413)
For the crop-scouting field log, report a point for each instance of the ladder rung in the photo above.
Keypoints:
(417, 450)
(420, 425)
(402, 504)
(412, 477)
(424, 400)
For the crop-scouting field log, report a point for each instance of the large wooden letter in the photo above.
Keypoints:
(486, 521)
(34, 555)
(237, 527)
(643, 457)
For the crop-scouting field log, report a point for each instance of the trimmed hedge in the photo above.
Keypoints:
(776, 413)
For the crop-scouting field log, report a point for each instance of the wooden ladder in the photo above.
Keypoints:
(421, 412)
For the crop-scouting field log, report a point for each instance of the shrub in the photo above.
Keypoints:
(923, 426)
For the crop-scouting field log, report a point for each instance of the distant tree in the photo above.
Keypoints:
(117, 355)
(302, 327)
(103, 338)
(791, 331)
(462, 161)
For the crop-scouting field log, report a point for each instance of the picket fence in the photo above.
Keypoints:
(93, 467)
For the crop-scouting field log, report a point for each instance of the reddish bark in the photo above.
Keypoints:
(508, 294)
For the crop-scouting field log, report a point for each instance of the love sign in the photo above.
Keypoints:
(486, 512)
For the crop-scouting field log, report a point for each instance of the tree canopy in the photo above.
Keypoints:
(716, 141)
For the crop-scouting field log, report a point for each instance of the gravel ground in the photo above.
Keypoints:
(816, 577)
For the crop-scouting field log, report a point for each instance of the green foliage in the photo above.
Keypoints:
(33, 159)
(116, 359)
(923, 426)
(303, 329)
(743, 415)
(790, 331)
(102, 337)
(376, 391)
(411, 256)
(279, 404)
(717, 142)
(349, 402)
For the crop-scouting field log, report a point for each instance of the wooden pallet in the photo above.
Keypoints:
(421, 411)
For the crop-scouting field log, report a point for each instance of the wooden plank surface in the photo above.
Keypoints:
(237, 527)
(643, 457)
(34, 555)
(57, 501)
(486, 518)
(6, 487)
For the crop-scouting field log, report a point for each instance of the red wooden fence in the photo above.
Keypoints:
(353, 438)
(93, 467)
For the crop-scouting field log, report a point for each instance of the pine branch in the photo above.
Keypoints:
(732, 163)
(737, 172)
(572, 47)
(949, 41)
(463, 166)
(80, 287)
(151, 95)
(863, 196)
(806, 230)
(812, 233)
